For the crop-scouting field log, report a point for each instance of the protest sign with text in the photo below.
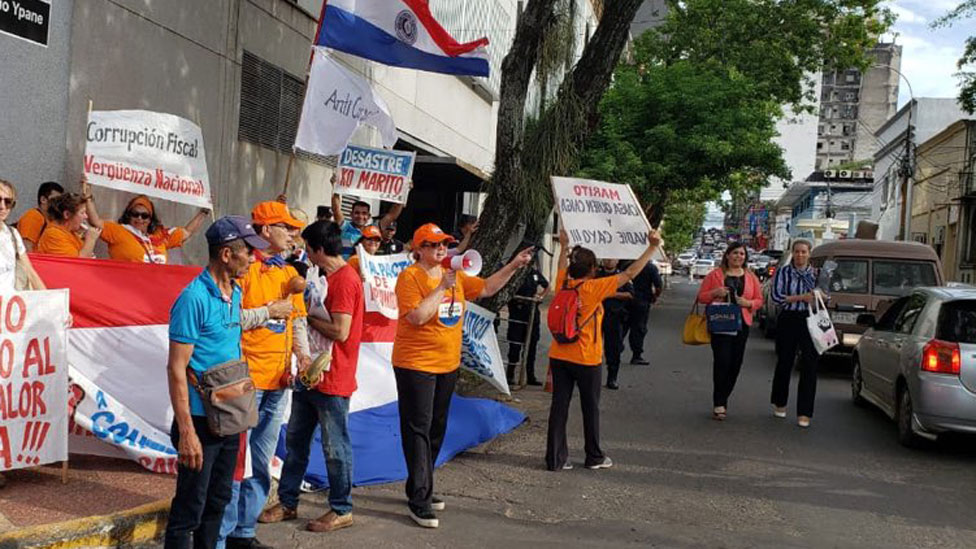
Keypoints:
(479, 347)
(150, 153)
(33, 378)
(380, 274)
(604, 217)
(375, 173)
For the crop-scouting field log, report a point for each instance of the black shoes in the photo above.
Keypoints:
(246, 543)
(424, 517)
(535, 383)
(612, 385)
(638, 361)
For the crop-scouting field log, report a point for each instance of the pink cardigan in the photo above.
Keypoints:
(716, 279)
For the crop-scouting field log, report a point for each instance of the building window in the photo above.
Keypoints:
(847, 129)
(271, 104)
(819, 145)
(850, 96)
(845, 146)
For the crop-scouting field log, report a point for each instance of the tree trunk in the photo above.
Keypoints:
(519, 194)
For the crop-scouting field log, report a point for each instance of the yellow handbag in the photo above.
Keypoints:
(696, 328)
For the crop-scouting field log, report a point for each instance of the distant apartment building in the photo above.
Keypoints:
(854, 104)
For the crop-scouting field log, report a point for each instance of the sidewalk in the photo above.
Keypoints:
(35, 506)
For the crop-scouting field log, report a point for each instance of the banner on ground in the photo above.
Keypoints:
(604, 217)
(375, 173)
(479, 347)
(33, 378)
(337, 101)
(380, 274)
(152, 153)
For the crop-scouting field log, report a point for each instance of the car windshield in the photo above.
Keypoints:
(900, 277)
(850, 276)
(957, 322)
(704, 262)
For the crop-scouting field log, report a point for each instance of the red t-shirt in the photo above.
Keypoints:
(345, 296)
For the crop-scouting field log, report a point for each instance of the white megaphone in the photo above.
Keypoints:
(469, 262)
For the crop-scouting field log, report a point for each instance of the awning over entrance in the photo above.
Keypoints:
(448, 174)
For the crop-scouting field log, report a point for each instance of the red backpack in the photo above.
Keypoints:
(564, 315)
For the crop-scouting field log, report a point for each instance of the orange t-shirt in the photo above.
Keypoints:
(31, 225)
(268, 348)
(123, 245)
(588, 349)
(433, 347)
(57, 240)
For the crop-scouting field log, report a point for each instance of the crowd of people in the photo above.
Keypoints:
(277, 294)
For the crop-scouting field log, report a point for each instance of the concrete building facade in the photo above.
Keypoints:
(237, 68)
(854, 104)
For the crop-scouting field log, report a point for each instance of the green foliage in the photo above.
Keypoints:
(967, 78)
(777, 44)
(683, 218)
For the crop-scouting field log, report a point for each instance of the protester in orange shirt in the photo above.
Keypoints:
(32, 223)
(66, 216)
(427, 353)
(579, 363)
(370, 241)
(139, 236)
(268, 350)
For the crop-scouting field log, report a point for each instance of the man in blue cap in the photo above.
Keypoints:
(205, 331)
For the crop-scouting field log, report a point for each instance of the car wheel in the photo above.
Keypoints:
(857, 383)
(906, 435)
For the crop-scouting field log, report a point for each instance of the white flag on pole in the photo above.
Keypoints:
(337, 101)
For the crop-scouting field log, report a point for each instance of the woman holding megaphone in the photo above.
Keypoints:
(431, 296)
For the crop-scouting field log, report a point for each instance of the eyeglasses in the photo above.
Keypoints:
(441, 244)
(140, 215)
(282, 226)
(8, 202)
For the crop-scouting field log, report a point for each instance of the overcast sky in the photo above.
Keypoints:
(928, 55)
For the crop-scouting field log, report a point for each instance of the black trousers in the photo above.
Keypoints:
(613, 341)
(638, 312)
(792, 337)
(201, 496)
(517, 332)
(727, 354)
(423, 400)
(566, 375)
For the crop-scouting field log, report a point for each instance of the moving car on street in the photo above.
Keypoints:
(702, 268)
(918, 363)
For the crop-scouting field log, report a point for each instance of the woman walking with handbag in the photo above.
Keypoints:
(731, 282)
(793, 291)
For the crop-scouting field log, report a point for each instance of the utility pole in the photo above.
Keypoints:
(906, 170)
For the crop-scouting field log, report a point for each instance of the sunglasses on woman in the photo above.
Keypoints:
(140, 215)
(8, 202)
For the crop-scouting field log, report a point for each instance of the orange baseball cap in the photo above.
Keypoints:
(271, 212)
(371, 231)
(430, 233)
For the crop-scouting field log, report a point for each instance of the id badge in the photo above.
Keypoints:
(450, 313)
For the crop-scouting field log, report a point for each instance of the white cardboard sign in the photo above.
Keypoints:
(603, 217)
(380, 274)
(375, 173)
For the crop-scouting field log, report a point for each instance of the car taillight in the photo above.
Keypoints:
(772, 271)
(941, 357)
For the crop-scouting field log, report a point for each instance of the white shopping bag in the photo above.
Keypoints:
(316, 289)
(818, 323)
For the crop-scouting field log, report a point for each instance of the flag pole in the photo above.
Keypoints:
(311, 56)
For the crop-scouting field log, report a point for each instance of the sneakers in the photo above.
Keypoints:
(424, 517)
(246, 543)
(330, 522)
(803, 421)
(612, 385)
(567, 466)
(779, 412)
(437, 504)
(605, 464)
(277, 513)
(638, 361)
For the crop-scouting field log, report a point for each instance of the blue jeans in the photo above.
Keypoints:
(308, 410)
(249, 496)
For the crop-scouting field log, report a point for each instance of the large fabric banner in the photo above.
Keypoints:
(33, 378)
(604, 217)
(337, 101)
(151, 153)
(380, 274)
(375, 173)
(479, 347)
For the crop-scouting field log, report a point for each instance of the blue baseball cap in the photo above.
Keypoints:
(230, 228)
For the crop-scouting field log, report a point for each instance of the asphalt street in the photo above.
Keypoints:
(681, 479)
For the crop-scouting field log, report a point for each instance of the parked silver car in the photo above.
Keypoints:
(918, 363)
(702, 267)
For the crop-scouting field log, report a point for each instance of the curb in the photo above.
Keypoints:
(141, 524)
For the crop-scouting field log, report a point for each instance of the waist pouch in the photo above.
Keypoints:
(229, 397)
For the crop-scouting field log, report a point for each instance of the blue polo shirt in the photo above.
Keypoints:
(204, 318)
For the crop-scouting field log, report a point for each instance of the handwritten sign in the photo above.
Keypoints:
(151, 153)
(375, 173)
(479, 347)
(380, 274)
(33, 378)
(604, 217)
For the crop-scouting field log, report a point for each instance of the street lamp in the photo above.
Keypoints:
(907, 168)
